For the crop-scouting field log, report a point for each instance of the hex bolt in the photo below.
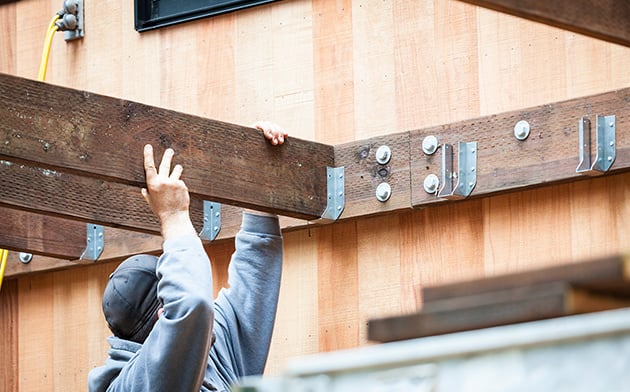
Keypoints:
(521, 130)
(383, 192)
(383, 155)
(431, 183)
(26, 257)
(429, 144)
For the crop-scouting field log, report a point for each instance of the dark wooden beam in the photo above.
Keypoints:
(608, 20)
(549, 155)
(79, 165)
(119, 244)
(42, 234)
(86, 199)
(363, 174)
(92, 135)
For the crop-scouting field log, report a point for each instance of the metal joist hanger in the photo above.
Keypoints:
(604, 145)
(460, 184)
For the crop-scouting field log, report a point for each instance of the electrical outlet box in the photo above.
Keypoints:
(79, 32)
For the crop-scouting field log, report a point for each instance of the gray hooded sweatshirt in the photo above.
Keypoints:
(178, 355)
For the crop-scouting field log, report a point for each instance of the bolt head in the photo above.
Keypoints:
(26, 257)
(430, 144)
(383, 192)
(521, 130)
(383, 155)
(431, 183)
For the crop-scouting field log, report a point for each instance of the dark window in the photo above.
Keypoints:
(151, 14)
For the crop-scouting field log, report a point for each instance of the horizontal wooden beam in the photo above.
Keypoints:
(550, 154)
(42, 234)
(68, 174)
(102, 137)
(119, 244)
(608, 20)
(364, 173)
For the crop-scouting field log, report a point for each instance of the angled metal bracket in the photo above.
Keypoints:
(605, 145)
(336, 194)
(211, 220)
(459, 185)
(95, 242)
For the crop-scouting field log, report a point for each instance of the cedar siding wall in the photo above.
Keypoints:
(332, 72)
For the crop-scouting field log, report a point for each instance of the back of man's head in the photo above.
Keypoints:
(130, 301)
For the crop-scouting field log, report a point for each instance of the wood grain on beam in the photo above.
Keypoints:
(549, 155)
(363, 174)
(42, 234)
(608, 20)
(119, 244)
(103, 137)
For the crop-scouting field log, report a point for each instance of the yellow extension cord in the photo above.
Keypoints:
(3, 256)
(50, 33)
(52, 29)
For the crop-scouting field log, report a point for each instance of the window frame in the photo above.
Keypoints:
(145, 17)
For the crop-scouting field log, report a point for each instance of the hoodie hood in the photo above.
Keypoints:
(120, 353)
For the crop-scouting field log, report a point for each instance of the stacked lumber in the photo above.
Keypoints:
(557, 291)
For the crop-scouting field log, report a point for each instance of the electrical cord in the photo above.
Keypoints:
(67, 22)
(52, 29)
(3, 263)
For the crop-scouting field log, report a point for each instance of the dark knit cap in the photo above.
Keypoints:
(130, 301)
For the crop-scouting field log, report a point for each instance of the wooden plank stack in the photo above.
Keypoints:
(557, 291)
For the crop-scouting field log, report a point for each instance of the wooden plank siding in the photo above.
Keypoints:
(331, 72)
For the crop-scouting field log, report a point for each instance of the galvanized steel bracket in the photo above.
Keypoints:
(460, 184)
(95, 242)
(211, 220)
(604, 144)
(336, 193)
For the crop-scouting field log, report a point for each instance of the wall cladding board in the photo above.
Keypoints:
(335, 78)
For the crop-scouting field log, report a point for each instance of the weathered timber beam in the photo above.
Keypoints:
(53, 186)
(363, 174)
(86, 199)
(549, 155)
(119, 244)
(42, 234)
(102, 137)
(608, 20)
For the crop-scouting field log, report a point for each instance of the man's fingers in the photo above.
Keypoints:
(165, 165)
(177, 172)
(149, 163)
(273, 132)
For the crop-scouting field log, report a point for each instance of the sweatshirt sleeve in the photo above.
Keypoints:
(246, 311)
(174, 355)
